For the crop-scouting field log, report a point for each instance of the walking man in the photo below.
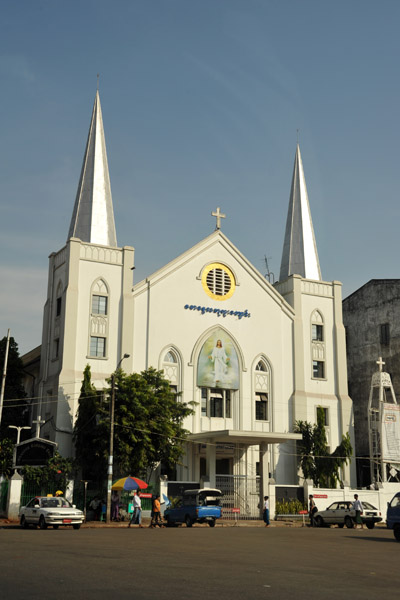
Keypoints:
(358, 507)
(266, 511)
(312, 510)
(137, 510)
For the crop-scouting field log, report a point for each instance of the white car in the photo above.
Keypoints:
(48, 510)
(342, 513)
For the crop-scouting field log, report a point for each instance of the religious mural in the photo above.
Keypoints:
(218, 365)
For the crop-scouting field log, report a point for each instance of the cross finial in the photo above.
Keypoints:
(297, 130)
(98, 81)
(380, 363)
(219, 216)
(39, 421)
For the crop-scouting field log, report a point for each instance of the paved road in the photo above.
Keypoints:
(199, 563)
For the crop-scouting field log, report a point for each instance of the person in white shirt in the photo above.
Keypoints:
(137, 510)
(266, 511)
(358, 507)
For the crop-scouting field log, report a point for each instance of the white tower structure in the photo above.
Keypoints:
(384, 427)
(299, 256)
(89, 307)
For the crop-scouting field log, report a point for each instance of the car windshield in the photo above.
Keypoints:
(55, 503)
(368, 505)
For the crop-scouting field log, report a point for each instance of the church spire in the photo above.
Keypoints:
(299, 254)
(93, 217)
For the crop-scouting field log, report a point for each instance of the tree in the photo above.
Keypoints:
(6, 456)
(57, 472)
(15, 411)
(91, 431)
(315, 460)
(148, 425)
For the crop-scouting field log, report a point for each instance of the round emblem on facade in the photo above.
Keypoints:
(218, 281)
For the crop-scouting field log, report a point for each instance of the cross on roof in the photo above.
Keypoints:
(380, 363)
(219, 216)
(39, 421)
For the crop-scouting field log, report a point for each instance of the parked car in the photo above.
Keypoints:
(393, 516)
(342, 513)
(195, 506)
(55, 511)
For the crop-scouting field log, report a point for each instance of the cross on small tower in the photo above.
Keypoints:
(39, 422)
(219, 216)
(380, 363)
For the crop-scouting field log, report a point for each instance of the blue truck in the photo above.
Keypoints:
(393, 516)
(195, 506)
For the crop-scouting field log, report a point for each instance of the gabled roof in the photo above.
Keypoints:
(217, 237)
(299, 256)
(93, 217)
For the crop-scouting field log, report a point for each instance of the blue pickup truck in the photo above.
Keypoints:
(393, 516)
(195, 506)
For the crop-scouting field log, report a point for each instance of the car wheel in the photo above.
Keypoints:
(188, 521)
(23, 522)
(396, 531)
(349, 522)
(56, 526)
(42, 523)
(341, 525)
(370, 525)
(211, 523)
(319, 521)
(76, 525)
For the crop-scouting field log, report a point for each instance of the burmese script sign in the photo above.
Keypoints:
(34, 453)
(391, 433)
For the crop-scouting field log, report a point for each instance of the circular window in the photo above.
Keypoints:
(218, 281)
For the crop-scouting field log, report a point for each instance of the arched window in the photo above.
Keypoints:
(318, 345)
(99, 320)
(171, 368)
(262, 390)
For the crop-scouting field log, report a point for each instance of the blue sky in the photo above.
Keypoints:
(201, 102)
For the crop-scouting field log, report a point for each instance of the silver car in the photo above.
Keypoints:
(342, 513)
(48, 510)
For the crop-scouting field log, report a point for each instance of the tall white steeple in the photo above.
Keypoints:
(93, 217)
(299, 254)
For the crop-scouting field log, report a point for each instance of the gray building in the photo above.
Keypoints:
(371, 316)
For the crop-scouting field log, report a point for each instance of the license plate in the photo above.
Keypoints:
(67, 520)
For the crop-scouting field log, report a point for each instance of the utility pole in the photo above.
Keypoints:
(3, 381)
(111, 451)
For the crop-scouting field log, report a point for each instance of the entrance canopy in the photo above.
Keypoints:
(252, 438)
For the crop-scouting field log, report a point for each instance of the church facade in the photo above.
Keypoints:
(255, 357)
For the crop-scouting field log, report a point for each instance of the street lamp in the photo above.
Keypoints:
(18, 430)
(111, 451)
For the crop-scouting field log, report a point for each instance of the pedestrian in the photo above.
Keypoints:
(156, 513)
(115, 506)
(358, 507)
(95, 506)
(136, 518)
(312, 509)
(266, 511)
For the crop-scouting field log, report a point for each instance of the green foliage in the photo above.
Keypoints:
(315, 460)
(91, 431)
(148, 425)
(14, 413)
(6, 456)
(289, 507)
(58, 470)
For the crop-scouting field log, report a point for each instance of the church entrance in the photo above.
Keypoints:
(241, 496)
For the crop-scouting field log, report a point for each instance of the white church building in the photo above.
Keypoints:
(255, 357)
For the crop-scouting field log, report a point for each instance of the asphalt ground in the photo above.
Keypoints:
(200, 562)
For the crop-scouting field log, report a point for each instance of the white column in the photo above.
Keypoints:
(14, 496)
(264, 474)
(211, 452)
